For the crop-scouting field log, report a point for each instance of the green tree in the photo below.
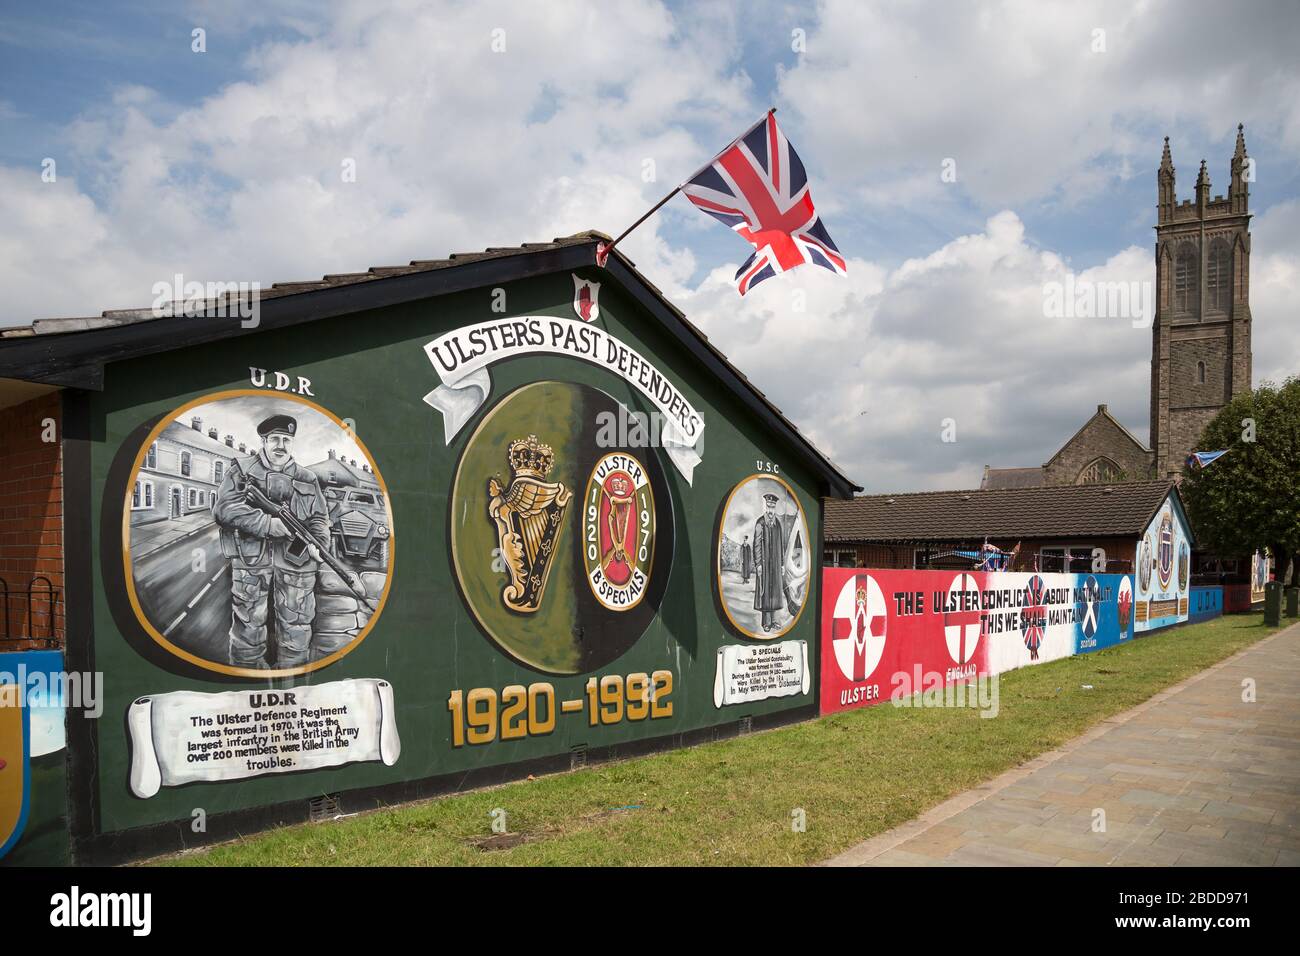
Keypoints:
(1250, 498)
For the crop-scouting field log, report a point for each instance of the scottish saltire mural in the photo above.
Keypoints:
(1163, 569)
(891, 632)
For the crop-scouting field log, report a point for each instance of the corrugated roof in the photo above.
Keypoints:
(1050, 511)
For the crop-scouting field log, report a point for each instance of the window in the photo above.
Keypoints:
(185, 463)
(838, 559)
(218, 469)
(151, 456)
(1219, 277)
(194, 498)
(1099, 472)
(135, 497)
(1185, 280)
(1200, 373)
(148, 494)
(212, 499)
(361, 497)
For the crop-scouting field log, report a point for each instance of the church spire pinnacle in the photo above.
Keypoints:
(1165, 198)
(1239, 187)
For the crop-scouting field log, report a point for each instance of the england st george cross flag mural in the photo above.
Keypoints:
(757, 187)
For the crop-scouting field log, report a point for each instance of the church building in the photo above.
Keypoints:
(1200, 339)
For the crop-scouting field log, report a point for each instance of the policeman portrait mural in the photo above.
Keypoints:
(257, 535)
(763, 558)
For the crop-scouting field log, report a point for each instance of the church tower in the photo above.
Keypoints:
(1200, 342)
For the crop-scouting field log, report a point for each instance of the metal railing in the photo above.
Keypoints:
(40, 587)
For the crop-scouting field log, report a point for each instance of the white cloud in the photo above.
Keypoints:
(882, 358)
(1015, 94)
(458, 147)
(1275, 293)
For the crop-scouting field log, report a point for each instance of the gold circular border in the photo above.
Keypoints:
(654, 537)
(129, 575)
(717, 561)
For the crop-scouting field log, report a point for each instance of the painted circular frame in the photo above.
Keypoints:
(128, 571)
(567, 630)
(718, 581)
(648, 528)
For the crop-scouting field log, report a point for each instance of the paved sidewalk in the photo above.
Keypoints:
(1193, 777)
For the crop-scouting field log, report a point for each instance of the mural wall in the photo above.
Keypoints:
(1162, 568)
(431, 541)
(1205, 603)
(33, 752)
(895, 631)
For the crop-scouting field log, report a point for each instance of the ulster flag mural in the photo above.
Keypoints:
(891, 634)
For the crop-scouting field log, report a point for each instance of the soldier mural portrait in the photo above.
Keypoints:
(562, 544)
(257, 535)
(764, 558)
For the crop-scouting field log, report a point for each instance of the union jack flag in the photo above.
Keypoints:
(1033, 616)
(757, 186)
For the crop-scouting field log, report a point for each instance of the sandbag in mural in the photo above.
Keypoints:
(258, 536)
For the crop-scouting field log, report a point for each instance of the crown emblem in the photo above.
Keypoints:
(530, 457)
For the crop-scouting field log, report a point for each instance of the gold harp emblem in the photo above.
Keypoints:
(529, 516)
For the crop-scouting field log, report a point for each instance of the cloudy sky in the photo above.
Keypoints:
(963, 155)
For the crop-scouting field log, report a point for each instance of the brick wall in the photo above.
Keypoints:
(31, 518)
(1185, 388)
(1100, 437)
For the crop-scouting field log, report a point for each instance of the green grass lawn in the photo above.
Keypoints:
(854, 774)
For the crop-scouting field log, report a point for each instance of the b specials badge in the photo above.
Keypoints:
(618, 529)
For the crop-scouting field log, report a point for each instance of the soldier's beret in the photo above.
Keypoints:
(278, 423)
(771, 497)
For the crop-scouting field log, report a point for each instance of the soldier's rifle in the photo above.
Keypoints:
(303, 535)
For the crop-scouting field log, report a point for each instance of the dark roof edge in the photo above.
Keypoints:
(76, 359)
(1182, 508)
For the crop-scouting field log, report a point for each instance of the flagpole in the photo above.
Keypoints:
(605, 248)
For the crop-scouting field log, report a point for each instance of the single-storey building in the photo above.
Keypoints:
(1055, 527)
(385, 534)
